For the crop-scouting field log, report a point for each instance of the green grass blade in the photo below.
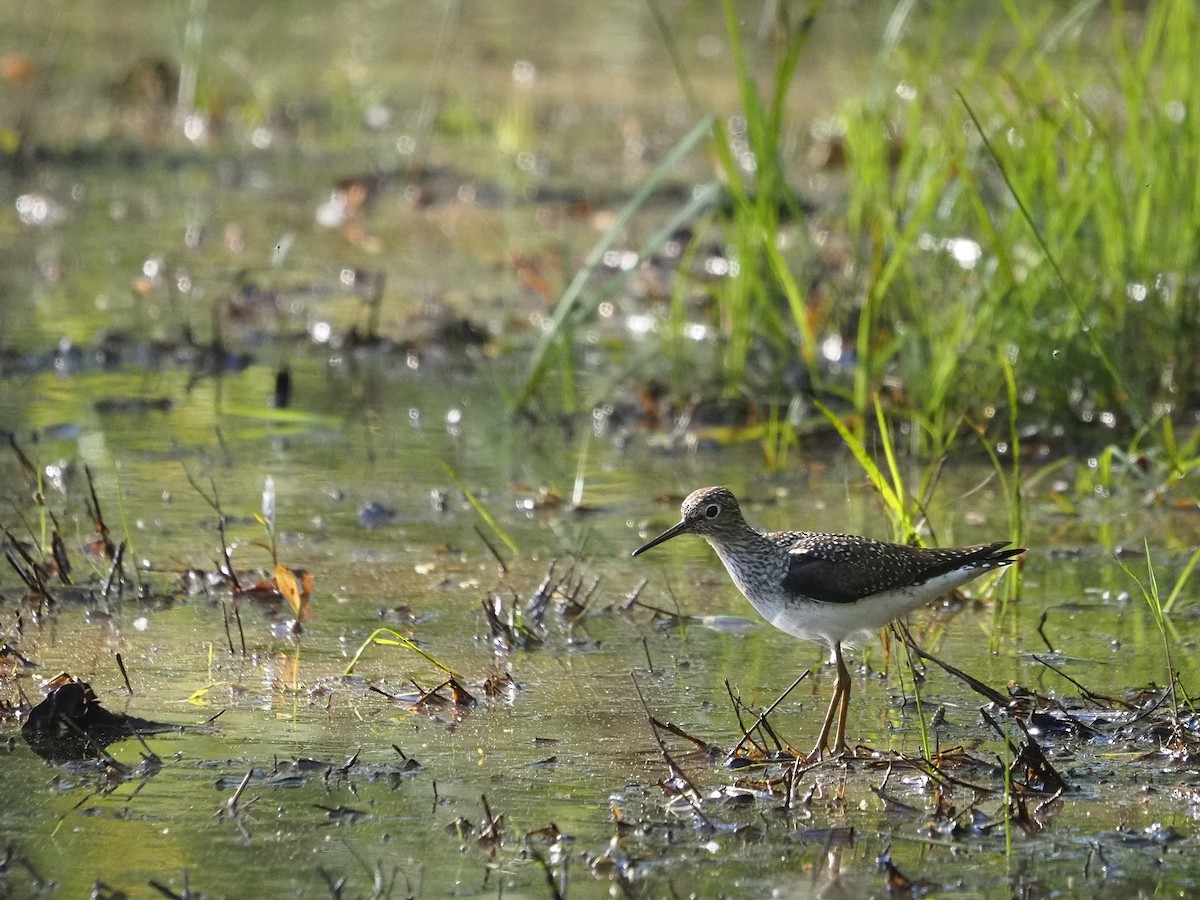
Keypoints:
(877, 479)
(672, 46)
(1013, 487)
(568, 301)
(1154, 602)
(796, 303)
(386, 637)
(481, 509)
(900, 511)
(1117, 381)
(1181, 582)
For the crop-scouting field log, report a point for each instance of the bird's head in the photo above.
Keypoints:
(710, 512)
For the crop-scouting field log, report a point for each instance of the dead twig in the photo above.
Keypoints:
(110, 549)
(124, 674)
(690, 793)
(115, 572)
(215, 503)
(492, 549)
(761, 722)
(969, 680)
(1100, 699)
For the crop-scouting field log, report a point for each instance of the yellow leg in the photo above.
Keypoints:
(823, 738)
(838, 706)
(843, 674)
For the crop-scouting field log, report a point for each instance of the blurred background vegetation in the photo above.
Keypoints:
(985, 219)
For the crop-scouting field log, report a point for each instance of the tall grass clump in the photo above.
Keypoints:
(1019, 185)
(761, 304)
(1150, 593)
(1037, 197)
(762, 300)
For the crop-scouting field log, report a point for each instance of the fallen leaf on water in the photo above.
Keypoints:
(296, 593)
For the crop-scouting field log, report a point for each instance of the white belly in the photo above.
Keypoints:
(832, 623)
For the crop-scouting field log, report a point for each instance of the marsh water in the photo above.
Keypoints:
(131, 239)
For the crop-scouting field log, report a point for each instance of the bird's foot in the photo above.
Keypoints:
(823, 752)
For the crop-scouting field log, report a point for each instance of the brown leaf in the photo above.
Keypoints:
(285, 583)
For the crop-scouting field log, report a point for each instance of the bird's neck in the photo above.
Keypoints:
(746, 555)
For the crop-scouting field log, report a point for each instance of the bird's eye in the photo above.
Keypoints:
(712, 510)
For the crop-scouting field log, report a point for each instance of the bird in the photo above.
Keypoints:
(828, 587)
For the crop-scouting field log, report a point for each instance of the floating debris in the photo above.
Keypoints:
(70, 724)
(374, 515)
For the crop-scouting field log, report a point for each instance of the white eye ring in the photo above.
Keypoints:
(712, 511)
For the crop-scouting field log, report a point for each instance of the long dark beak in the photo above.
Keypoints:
(673, 531)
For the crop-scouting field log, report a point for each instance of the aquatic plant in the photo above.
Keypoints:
(1150, 593)
(901, 508)
(574, 307)
(999, 205)
(1036, 185)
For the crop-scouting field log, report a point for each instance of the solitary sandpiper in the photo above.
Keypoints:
(828, 587)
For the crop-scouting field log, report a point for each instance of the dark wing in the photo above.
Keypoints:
(846, 568)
